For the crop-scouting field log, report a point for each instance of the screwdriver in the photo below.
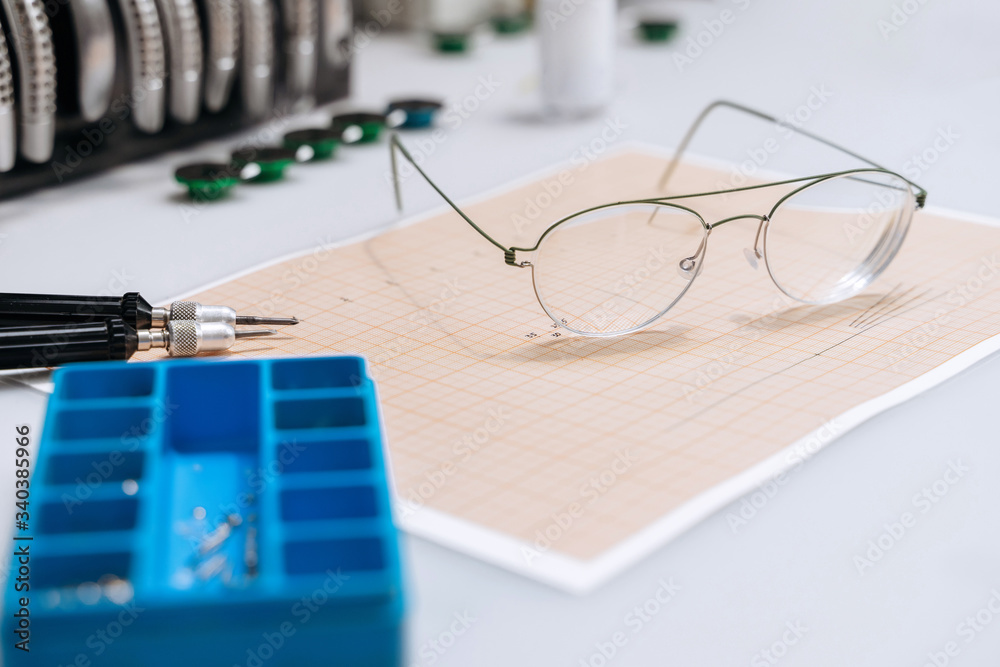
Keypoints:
(26, 309)
(42, 345)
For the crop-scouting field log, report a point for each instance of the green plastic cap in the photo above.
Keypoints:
(511, 24)
(369, 124)
(207, 181)
(658, 30)
(322, 140)
(451, 42)
(272, 162)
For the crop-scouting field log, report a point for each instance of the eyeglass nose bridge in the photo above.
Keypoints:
(755, 253)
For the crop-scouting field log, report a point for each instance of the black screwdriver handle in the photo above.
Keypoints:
(24, 309)
(44, 345)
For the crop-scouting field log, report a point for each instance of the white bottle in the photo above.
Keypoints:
(578, 55)
(455, 15)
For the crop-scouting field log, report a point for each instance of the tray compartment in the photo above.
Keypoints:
(329, 455)
(99, 467)
(119, 383)
(319, 413)
(217, 408)
(64, 571)
(330, 373)
(356, 554)
(90, 516)
(118, 424)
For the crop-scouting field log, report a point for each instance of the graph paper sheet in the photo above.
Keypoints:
(567, 458)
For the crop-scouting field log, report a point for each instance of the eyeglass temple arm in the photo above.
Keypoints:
(395, 145)
(763, 116)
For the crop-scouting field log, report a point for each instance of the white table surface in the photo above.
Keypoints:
(794, 564)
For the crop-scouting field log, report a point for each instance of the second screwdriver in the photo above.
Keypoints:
(21, 309)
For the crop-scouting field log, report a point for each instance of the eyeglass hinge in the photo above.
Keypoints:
(921, 199)
(509, 256)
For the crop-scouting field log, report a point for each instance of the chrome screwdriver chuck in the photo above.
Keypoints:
(184, 338)
(196, 312)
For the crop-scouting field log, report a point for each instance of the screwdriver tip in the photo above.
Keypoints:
(273, 321)
(250, 333)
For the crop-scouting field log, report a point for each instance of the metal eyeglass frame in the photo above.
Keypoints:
(510, 252)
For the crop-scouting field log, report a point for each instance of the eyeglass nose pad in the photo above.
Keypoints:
(689, 268)
(752, 257)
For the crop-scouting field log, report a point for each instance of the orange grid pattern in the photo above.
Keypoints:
(522, 421)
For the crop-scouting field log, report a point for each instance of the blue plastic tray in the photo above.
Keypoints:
(212, 513)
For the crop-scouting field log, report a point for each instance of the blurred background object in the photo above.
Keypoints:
(511, 16)
(578, 55)
(150, 76)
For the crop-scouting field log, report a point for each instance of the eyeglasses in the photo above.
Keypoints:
(617, 268)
